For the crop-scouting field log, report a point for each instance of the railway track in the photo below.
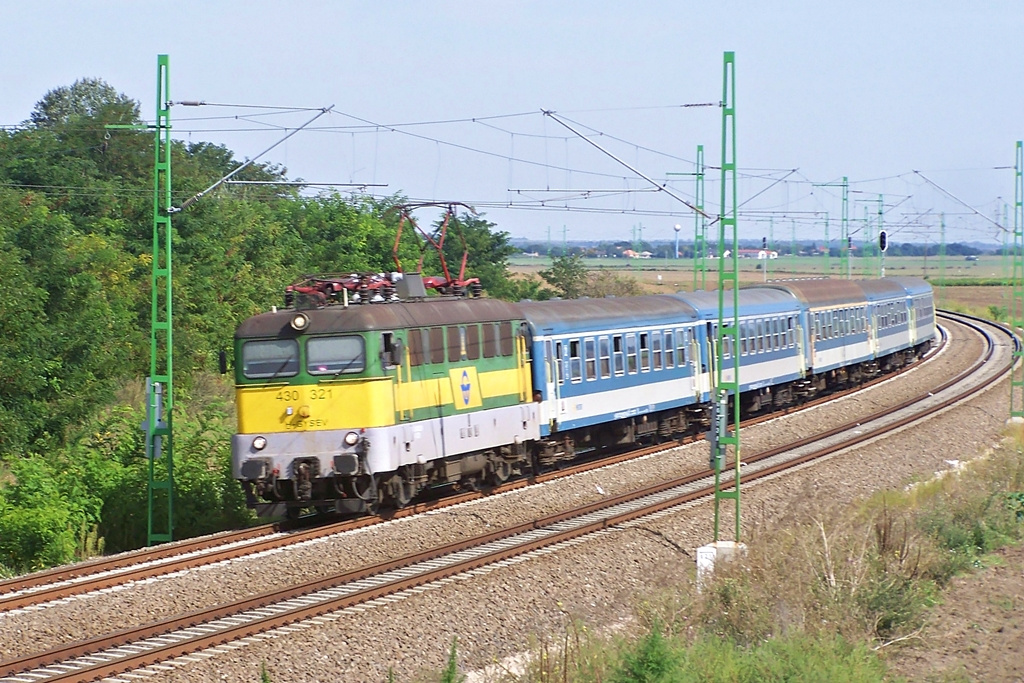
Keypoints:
(164, 641)
(106, 573)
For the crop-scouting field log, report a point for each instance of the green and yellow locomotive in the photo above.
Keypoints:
(352, 405)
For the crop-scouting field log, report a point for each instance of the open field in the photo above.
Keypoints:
(667, 275)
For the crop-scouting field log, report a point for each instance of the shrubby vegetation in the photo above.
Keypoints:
(75, 259)
(819, 596)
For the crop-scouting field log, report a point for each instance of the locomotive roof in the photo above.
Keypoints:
(817, 292)
(390, 316)
(752, 302)
(579, 315)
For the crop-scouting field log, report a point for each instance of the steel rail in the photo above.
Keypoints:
(96, 575)
(544, 532)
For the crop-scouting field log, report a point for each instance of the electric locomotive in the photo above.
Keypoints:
(353, 406)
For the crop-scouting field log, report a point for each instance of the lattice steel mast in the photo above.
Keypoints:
(726, 425)
(1017, 297)
(160, 400)
(700, 228)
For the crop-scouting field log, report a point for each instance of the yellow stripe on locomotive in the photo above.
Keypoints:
(370, 402)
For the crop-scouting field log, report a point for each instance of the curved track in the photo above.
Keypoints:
(104, 573)
(100, 574)
(164, 641)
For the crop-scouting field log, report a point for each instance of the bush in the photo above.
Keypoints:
(652, 660)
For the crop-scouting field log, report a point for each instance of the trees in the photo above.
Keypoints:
(487, 250)
(568, 275)
(87, 98)
(75, 251)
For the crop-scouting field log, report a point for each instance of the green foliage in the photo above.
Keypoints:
(450, 674)
(652, 660)
(487, 253)
(75, 266)
(264, 674)
(605, 283)
(1015, 504)
(789, 659)
(568, 275)
(88, 98)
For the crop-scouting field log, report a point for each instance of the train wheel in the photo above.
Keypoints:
(501, 470)
(364, 487)
(398, 491)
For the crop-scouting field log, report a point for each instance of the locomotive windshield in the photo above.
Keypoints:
(335, 355)
(271, 358)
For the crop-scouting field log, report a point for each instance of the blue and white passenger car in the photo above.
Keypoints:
(598, 361)
(771, 340)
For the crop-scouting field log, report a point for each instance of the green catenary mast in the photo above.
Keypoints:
(700, 228)
(844, 246)
(828, 250)
(160, 400)
(726, 426)
(942, 257)
(1017, 299)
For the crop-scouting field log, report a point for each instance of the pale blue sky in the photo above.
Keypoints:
(871, 90)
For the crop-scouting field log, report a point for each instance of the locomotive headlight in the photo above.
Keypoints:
(300, 321)
(351, 439)
(259, 443)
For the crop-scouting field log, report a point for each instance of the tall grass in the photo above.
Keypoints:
(816, 599)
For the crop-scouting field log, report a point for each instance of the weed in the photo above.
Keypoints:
(451, 670)
(652, 660)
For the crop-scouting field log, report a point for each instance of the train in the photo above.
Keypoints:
(365, 402)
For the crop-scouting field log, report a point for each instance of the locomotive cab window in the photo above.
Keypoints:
(335, 355)
(271, 358)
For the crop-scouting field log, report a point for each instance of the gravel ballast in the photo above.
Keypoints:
(493, 615)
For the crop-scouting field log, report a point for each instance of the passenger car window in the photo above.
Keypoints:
(631, 353)
(575, 361)
(589, 348)
(606, 358)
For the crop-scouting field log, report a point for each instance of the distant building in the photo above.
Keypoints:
(760, 254)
